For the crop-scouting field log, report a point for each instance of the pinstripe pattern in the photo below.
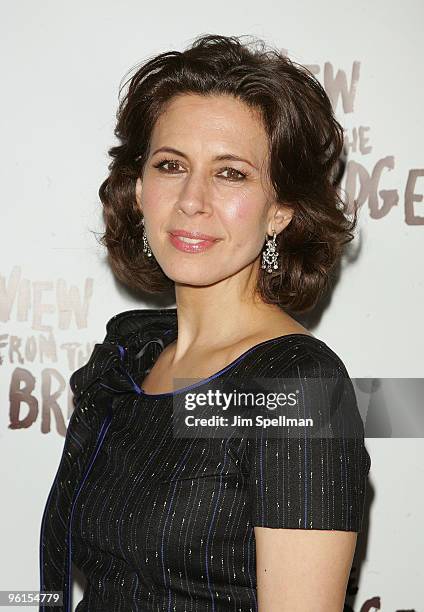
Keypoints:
(160, 523)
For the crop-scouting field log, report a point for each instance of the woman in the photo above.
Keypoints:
(222, 188)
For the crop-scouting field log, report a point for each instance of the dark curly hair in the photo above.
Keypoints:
(305, 146)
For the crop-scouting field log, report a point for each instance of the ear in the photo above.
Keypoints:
(279, 217)
(138, 190)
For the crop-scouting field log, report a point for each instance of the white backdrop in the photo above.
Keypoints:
(61, 68)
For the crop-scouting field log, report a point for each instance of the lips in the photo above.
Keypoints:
(191, 242)
(194, 235)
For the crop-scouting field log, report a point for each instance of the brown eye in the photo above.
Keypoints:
(236, 175)
(161, 165)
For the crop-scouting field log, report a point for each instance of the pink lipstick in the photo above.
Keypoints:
(191, 242)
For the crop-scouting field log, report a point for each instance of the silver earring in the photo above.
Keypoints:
(270, 255)
(146, 247)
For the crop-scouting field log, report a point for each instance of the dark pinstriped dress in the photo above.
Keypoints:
(166, 524)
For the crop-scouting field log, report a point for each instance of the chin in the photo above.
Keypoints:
(198, 274)
(195, 280)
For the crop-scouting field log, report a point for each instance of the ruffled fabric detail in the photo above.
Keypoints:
(133, 341)
(105, 368)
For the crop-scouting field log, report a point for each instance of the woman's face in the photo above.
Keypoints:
(185, 186)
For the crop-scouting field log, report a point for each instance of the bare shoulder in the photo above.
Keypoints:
(284, 324)
(278, 327)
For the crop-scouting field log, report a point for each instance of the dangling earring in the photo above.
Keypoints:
(270, 255)
(146, 247)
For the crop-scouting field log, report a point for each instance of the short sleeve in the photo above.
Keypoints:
(307, 482)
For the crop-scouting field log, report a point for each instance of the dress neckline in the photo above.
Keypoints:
(173, 334)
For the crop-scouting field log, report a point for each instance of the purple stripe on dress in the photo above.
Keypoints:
(43, 520)
(344, 469)
(166, 520)
(261, 479)
(100, 438)
(136, 387)
(210, 526)
(305, 471)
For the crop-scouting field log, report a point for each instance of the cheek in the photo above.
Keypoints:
(244, 219)
(154, 202)
(243, 210)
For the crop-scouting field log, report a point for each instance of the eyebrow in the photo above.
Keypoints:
(225, 156)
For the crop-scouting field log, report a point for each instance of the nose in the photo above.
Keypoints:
(193, 197)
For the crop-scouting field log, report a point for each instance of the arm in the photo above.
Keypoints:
(302, 570)
(307, 495)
